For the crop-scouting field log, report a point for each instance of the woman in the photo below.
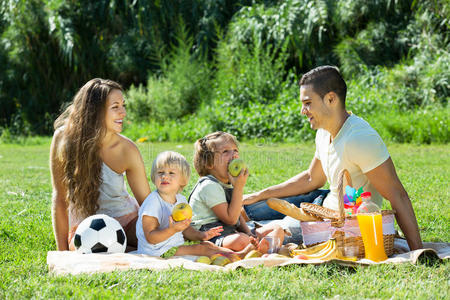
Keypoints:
(88, 158)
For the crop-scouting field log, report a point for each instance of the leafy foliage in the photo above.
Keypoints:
(231, 64)
(177, 90)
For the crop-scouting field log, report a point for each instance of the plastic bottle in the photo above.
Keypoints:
(367, 206)
(371, 227)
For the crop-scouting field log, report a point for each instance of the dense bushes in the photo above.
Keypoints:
(49, 48)
(195, 66)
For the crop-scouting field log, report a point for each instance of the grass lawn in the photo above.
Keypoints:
(26, 236)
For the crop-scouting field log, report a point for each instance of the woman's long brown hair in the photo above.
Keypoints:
(79, 151)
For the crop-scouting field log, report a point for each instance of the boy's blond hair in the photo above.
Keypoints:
(172, 159)
(205, 149)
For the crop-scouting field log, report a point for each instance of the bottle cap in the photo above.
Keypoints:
(366, 195)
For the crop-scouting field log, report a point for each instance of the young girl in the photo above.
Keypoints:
(88, 160)
(217, 197)
(157, 233)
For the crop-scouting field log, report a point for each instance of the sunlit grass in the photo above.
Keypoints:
(26, 235)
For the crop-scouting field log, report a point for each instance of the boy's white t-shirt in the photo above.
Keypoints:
(358, 148)
(155, 206)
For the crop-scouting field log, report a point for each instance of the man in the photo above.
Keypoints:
(343, 141)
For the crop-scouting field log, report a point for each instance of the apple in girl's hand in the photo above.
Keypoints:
(181, 211)
(235, 166)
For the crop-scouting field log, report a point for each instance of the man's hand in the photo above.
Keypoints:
(251, 198)
(215, 231)
(179, 226)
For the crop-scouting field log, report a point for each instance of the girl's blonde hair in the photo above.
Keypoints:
(83, 128)
(206, 147)
(172, 159)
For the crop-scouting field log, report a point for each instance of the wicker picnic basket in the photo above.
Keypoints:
(338, 219)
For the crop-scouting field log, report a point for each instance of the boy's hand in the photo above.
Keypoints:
(215, 231)
(179, 226)
(240, 180)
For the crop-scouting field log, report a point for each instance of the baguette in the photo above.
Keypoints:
(291, 210)
(320, 211)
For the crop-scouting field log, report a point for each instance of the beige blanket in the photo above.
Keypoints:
(69, 262)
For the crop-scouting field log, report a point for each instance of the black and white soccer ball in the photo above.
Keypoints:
(100, 233)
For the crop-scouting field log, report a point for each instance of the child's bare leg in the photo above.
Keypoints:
(236, 242)
(202, 249)
(246, 250)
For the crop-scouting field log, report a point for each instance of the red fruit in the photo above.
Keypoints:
(301, 256)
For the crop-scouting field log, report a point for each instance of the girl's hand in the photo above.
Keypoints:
(215, 231)
(240, 180)
(254, 240)
(179, 226)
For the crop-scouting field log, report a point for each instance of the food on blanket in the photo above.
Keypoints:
(276, 255)
(324, 251)
(291, 246)
(235, 166)
(253, 254)
(220, 260)
(181, 211)
(204, 260)
(312, 249)
(301, 256)
(291, 210)
(100, 233)
(319, 211)
(232, 257)
(284, 250)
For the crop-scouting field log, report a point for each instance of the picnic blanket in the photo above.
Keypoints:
(70, 262)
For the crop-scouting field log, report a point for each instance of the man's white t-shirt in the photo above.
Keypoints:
(155, 206)
(358, 148)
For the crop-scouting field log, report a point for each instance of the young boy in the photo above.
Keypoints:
(158, 234)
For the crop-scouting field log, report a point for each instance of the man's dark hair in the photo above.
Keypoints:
(325, 79)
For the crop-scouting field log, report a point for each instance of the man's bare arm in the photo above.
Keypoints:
(305, 182)
(384, 178)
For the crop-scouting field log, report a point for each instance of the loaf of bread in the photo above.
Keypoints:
(290, 210)
(320, 211)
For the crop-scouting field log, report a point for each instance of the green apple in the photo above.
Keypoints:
(220, 260)
(253, 254)
(235, 166)
(204, 260)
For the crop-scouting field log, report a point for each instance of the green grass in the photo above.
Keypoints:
(26, 236)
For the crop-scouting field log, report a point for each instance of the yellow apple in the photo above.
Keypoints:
(203, 260)
(253, 254)
(181, 211)
(235, 166)
(220, 260)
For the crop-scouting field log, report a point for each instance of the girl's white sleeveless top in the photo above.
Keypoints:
(113, 200)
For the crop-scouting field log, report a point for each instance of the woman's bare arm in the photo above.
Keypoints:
(60, 219)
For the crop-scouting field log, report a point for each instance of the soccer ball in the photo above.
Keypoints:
(100, 233)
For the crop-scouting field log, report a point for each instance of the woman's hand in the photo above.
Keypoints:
(215, 231)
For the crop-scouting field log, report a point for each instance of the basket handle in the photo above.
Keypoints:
(344, 179)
